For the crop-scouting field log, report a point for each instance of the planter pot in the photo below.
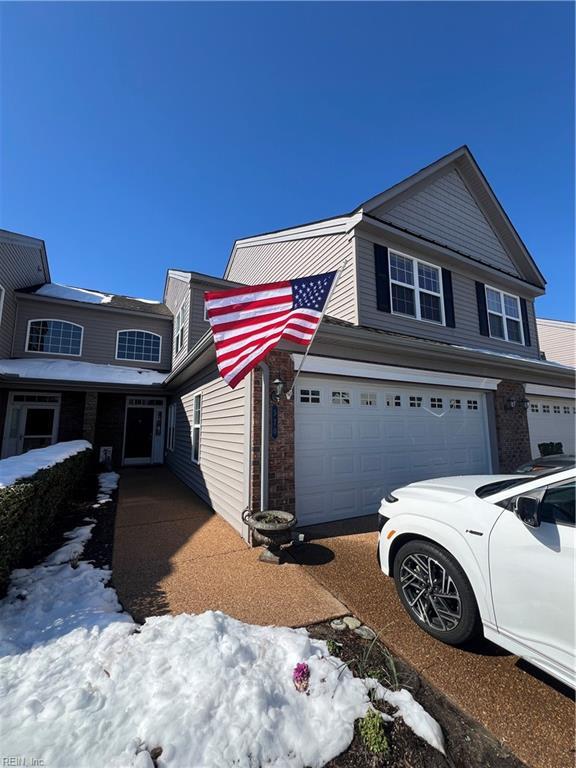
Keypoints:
(270, 529)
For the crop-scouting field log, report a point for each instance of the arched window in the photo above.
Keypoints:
(143, 346)
(54, 337)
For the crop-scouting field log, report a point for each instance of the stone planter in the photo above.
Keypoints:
(270, 529)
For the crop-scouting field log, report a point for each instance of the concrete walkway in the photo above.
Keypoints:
(172, 554)
(526, 711)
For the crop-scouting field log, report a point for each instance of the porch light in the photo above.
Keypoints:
(277, 390)
(522, 404)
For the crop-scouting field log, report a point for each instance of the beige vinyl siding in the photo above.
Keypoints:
(198, 326)
(100, 329)
(466, 332)
(220, 477)
(20, 267)
(177, 294)
(445, 211)
(288, 259)
(558, 341)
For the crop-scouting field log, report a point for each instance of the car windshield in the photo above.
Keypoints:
(502, 485)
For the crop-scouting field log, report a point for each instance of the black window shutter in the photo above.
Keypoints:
(382, 278)
(525, 324)
(482, 309)
(448, 298)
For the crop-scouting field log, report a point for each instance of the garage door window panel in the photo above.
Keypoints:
(416, 289)
(341, 397)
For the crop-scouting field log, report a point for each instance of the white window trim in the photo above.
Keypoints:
(416, 288)
(53, 320)
(2, 297)
(181, 330)
(137, 359)
(504, 316)
(195, 426)
(171, 427)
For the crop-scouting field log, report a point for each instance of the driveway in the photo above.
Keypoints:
(528, 712)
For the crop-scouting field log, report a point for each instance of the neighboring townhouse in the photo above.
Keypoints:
(427, 364)
(557, 340)
(78, 363)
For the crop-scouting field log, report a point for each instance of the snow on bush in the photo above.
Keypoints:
(27, 464)
(82, 685)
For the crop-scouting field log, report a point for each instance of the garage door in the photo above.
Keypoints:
(358, 439)
(551, 419)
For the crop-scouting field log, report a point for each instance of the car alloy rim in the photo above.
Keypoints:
(430, 592)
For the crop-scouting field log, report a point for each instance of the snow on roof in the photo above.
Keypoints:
(74, 370)
(57, 291)
(17, 467)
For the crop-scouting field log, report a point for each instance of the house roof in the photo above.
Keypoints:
(58, 292)
(461, 159)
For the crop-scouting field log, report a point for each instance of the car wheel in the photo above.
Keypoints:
(434, 590)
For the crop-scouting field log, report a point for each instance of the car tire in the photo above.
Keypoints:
(447, 609)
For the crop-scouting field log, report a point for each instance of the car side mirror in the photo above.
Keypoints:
(527, 509)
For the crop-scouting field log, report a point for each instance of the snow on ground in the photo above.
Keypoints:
(82, 685)
(75, 370)
(58, 291)
(17, 467)
(107, 482)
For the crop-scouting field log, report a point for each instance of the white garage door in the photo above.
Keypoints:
(551, 419)
(358, 439)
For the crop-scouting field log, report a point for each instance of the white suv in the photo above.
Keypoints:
(488, 552)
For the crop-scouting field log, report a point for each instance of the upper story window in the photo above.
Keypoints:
(504, 316)
(416, 288)
(54, 337)
(179, 325)
(143, 346)
(2, 294)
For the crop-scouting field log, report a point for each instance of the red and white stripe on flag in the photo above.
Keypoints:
(248, 322)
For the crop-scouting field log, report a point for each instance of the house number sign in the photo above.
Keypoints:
(274, 421)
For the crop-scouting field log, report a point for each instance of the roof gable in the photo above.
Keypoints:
(451, 203)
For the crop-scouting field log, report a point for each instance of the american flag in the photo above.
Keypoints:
(248, 322)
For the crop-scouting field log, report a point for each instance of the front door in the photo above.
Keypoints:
(138, 441)
(31, 422)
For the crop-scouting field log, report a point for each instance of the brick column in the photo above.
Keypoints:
(281, 489)
(89, 422)
(511, 427)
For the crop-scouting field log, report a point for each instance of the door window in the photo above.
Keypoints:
(38, 428)
(558, 504)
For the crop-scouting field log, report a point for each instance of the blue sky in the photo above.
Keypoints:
(137, 137)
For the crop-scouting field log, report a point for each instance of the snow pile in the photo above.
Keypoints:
(107, 482)
(75, 370)
(57, 291)
(17, 467)
(82, 685)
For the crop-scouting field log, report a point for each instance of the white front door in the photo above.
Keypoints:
(355, 440)
(552, 420)
(32, 420)
(532, 578)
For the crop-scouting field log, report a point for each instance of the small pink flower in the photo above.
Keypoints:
(301, 676)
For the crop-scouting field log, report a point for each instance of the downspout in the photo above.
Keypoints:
(264, 441)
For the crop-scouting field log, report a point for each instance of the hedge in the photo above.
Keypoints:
(29, 508)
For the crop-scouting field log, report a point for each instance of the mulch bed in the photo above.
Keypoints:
(468, 744)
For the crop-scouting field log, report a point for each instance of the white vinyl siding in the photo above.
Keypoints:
(288, 259)
(221, 478)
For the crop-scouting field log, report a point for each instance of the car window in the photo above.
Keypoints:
(559, 504)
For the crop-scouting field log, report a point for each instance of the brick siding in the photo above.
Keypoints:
(511, 427)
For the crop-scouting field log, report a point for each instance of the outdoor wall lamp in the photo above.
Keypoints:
(277, 390)
(512, 403)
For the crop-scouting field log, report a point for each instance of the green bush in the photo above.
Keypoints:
(373, 734)
(550, 449)
(29, 507)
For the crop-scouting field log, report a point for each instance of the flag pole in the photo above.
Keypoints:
(331, 291)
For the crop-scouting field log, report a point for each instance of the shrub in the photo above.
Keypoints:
(550, 449)
(29, 507)
(373, 734)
